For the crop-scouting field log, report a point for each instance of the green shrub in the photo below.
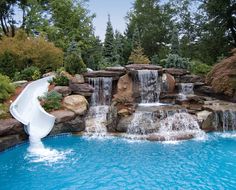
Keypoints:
(51, 101)
(175, 61)
(6, 88)
(29, 73)
(20, 52)
(199, 68)
(4, 111)
(60, 80)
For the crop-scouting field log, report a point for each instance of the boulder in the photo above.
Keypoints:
(79, 78)
(76, 103)
(83, 89)
(143, 67)
(168, 83)
(63, 115)
(191, 79)
(74, 125)
(11, 127)
(124, 89)
(63, 90)
(103, 73)
(9, 141)
(222, 77)
(123, 124)
(116, 69)
(175, 71)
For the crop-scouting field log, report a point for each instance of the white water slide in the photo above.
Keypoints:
(27, 109)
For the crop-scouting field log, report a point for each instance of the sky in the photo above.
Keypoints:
(116, 8)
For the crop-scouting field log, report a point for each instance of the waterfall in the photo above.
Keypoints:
(225, 120)
(96, 118)
(185, 89)
(180, 125)
(150, 86)
(164, 124)
(142, 123)
(102, 90)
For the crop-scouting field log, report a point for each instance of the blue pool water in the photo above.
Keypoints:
(79, 163)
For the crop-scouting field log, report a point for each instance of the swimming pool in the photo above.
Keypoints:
(72, 162)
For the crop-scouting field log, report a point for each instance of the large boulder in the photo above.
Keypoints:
(83, 89)
(124, 89)
(11, 127)
(223, 77)
(63, 115)
(76, 103)
(168, 83)
(105, 73)
(176, 71)
(72, 125)
(9, 141)
(63, 90)
(143, 67)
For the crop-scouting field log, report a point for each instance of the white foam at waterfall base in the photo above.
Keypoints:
(180, 125)
(95, 121)
(38, 153)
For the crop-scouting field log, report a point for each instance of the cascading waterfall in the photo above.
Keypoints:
(180, 126)
(185, 89)
(225, 120)
(149, 86)
(96, 118)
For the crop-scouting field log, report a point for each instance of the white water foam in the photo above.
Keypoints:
(38, 153)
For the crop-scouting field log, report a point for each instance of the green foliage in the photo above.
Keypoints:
(22, 52)
(4, 111)
(60, 80)
(155, 60)
(73, 60)
(108, 48)
(199, 68)
(137, 56)
(174, 42)
(175, 61)
(29, 73)
(118, 50)
(6, 88)
(7, 63)
(51, 101)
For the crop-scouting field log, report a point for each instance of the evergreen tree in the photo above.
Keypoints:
(174, 41)
(118, 49)
(138, 57)
(136, 41)
(108, 48)
(73, 59)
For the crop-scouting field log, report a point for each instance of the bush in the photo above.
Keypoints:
(20, 52)
(4, 111)
(199, 68)
(73, 60)
(30, 73)
(51, 101)
(137, 56)
(6, 88)
(60, 80)
(175, 61)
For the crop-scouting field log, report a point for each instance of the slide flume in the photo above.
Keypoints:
(27, 109)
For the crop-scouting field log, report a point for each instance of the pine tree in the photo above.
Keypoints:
(118, 49)
(174, 41)
(108, 48)
(136, 38)
(137, 56)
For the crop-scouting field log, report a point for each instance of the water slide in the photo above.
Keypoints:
(27, 109)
